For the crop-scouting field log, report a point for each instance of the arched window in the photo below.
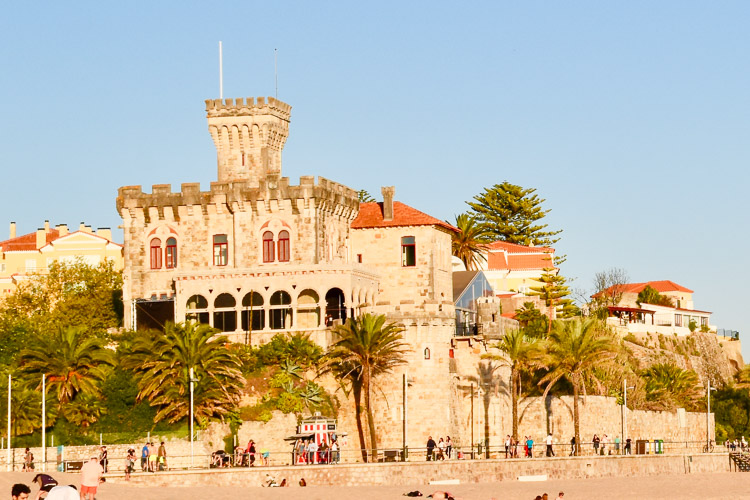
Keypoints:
(308, 311)
(284, 246)
(253, 315)
(225, 317)
(171, 254)
(197, 309)
(426, 353)
(280, 311)
(335, 306)
(156, 253)
(268, 247)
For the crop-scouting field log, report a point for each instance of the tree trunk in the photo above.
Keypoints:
(514, 399)
(370, 419)
(576, 420)
(357, 390)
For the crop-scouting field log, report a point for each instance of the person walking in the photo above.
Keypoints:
(129, 463)
(430, 448)
(507, 445)
(28, 461)
(548, 442)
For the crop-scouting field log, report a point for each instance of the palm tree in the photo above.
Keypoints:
(73, 363)
(521, 353)
(576, 348)
(162, 362)
(370, 347)
(470, 241)
(349, 378)
(668, 386)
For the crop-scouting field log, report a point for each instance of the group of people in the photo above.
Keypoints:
(441, 450)
(91, 477)
(606, 446)
(308, 451)
(152, 459)
(512, 446)
(544, 496)
(737, 444)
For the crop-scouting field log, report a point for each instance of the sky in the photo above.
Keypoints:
(631, 119)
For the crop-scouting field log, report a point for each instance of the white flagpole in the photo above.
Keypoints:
(276, 71)
(8, 458)
(44, 423)
(221, 74)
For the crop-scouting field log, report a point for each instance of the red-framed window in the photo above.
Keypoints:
(156, 253)
(170, 256)
(408, 251)
(221, 250)
(284, 246)
(268, 247)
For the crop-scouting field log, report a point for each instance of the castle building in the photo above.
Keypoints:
(22, 256)
(255, 256)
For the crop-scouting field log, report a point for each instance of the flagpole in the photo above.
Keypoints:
(221, 74)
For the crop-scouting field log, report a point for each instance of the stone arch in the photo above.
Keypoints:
(308, 309)
(335, 306)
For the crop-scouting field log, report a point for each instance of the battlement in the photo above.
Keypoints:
(270, 194)
(248, 106)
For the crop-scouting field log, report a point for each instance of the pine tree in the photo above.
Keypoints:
(553, 291)
(510, 213)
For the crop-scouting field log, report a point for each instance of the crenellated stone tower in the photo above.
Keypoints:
(249, 135)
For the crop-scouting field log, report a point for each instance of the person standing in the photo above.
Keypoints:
(530, 445)
(91, 475)
(430, 447)
(548, 442)
(617, 445)
(28, 461)
(628, 443)
(129, 463)
(441, 449)
(162, 457)
(144, 458)
(596, 442)
(448, 446)
(605, 443)
(312, 451)
(335, 452)
(103, 458)
(152, 457)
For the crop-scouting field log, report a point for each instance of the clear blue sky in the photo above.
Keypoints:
(630, 118)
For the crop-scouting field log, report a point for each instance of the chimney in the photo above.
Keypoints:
(104, 232)
(46, 226)
(62, 229)
(41, 237)
(388, 192)
(12, 229)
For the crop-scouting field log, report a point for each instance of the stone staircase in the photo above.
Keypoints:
(741, 461)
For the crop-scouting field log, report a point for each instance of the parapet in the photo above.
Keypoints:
(132, 200)
(248, 106)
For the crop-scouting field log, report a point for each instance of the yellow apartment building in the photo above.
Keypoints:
(31, 253)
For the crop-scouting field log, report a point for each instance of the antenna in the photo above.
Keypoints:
(276, 70)
(221, 75)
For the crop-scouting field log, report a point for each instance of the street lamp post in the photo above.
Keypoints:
(622, 411)
(708, 415)
(8, 458)
(44, 423)
(192, 418)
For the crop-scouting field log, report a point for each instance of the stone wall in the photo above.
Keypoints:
(465, 471)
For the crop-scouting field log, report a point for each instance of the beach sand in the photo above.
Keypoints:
(680, 486)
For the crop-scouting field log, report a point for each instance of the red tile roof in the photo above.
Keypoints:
(26, 241)
(660, 286)
(371, 215)
(516, 248)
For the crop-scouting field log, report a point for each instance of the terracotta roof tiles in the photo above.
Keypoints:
(371, 216)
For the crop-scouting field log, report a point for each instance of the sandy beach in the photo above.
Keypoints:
(678, 486)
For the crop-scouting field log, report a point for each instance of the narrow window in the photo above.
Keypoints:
(156, 253)
(171, 254)
(408, 251)
(268, 247)
(284, 246)
(678, 320)
(221, 250)
(359, 258)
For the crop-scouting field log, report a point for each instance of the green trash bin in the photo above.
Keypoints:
(659, 444)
